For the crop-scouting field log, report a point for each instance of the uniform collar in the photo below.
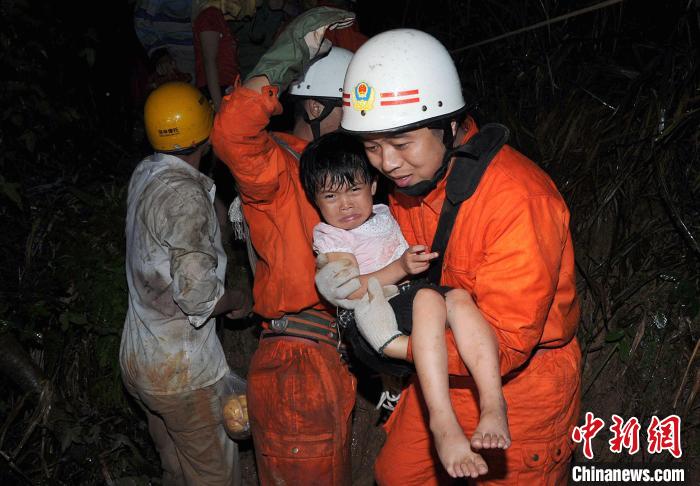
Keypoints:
(177, 163)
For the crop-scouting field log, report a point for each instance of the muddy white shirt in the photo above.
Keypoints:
(175, 268)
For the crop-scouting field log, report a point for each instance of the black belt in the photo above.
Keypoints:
(309, 324)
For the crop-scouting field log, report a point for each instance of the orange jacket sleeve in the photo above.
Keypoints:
(515, 285)
(241, 141)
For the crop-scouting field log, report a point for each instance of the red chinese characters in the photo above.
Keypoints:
(586, 432)
(625, 435)
(665, 435)
(662, 435)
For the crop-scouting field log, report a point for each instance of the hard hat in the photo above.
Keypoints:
(177, 117)
(397, 80)
(324, 78)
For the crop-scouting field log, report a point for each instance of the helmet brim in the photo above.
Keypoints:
(410, 126)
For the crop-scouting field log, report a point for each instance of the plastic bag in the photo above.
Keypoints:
(234, 407)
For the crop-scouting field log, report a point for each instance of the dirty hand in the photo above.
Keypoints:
(416, 260)
(301, 41)
(336, 280)
(242, 306)
(374, 316)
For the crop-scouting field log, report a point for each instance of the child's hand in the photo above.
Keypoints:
(415, 260)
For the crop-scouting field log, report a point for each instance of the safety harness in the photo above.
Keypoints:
(311, 324)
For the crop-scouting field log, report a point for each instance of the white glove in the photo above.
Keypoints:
(336, 280)
(374, 316)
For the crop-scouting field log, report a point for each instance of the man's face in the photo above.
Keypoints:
(346, 207)
(406, 158)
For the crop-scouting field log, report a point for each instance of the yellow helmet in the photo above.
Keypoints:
(177, 117)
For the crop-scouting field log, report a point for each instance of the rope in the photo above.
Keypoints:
(539, 24)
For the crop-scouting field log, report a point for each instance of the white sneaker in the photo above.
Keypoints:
(388, 400)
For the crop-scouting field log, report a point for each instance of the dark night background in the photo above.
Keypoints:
(607, 102)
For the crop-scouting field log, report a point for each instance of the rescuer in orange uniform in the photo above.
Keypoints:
(510, 247)
(300, 392)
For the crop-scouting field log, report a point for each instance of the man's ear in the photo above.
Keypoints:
(313, 108)
(455, 127)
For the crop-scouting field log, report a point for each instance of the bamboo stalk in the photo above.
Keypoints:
(685, 375)
(538, 25)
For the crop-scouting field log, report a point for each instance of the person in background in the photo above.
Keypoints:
(300, 392)
(257, 29)
(215, 47)
(164, 29)
(171, 359)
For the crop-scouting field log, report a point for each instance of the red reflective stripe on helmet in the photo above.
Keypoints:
(391, 94)
(399, 102)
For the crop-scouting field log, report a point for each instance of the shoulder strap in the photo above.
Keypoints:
(471, 162)
(285, 146)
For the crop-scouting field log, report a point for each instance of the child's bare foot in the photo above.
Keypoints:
(492, 431)
(456, 453)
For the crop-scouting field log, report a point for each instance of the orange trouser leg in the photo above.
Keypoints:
(300, 399)
(543, 407)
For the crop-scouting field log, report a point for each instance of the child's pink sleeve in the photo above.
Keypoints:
(328, 239)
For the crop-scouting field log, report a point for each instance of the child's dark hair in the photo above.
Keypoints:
(332, 161)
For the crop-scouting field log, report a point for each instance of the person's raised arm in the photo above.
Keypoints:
(210, 50)
(239, 134)
(300, 42)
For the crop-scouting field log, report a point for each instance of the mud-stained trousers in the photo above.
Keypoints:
(190, 438)
(543, 407)
(300, 400)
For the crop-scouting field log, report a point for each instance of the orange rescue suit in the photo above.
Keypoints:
(511, 249)
(300, 393)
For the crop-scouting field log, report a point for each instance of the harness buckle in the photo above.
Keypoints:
(279, 325)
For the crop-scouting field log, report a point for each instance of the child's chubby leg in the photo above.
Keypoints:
(478, 348)
(430, 357)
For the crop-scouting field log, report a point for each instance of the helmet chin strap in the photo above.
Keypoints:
(425, 187)
(315, 124)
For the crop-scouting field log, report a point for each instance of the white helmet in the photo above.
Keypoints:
(324, 78)
(400, 79)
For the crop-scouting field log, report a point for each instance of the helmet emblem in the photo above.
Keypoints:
(363, 98)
